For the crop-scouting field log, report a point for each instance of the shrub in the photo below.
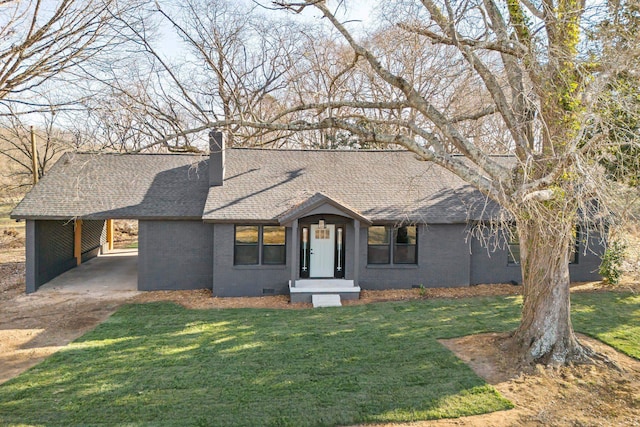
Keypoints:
(611, 265)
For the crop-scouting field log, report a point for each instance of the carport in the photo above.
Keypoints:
(54, 246)
(69, 217)
(115, 271)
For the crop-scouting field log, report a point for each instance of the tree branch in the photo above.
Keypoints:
(507, 47)
(418, 102)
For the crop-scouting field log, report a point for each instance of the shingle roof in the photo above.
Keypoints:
(102, 186)
(260, 185)
(380, 185)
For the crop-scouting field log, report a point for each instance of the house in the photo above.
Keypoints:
(249, 222)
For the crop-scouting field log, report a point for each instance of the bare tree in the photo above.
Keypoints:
(46, 49)
(39, 40)
(233, 65)
(15, 145)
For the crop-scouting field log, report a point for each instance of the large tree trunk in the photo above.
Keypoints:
(545, 334)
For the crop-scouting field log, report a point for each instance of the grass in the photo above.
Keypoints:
(613, 318)
(132, 245)
(161, 364)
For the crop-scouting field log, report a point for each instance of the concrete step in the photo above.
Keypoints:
(326, 300)
(305, 289)
(323, 283)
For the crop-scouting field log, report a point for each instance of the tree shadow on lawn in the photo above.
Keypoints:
(162, 364)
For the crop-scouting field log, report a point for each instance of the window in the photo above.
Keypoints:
(402, 251)
(513, 257)
(378, 245)
(249, 239)
(273, 245)
(573, 256)
(247, 245)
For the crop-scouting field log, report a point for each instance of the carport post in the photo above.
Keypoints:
(110, 230)
(77, 241)
(31, 249)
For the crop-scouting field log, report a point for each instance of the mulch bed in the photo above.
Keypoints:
(202, 299)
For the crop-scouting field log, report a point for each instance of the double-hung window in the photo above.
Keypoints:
(273, 245)
(405, 245)
(386, 245)
(378, 245)
(255, 245)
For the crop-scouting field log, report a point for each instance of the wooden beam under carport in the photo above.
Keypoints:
(110, 231)
(77, 241)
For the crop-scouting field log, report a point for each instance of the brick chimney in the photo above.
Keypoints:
(216, 158)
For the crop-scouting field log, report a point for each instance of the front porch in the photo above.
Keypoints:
(325, 250)
(302, 290)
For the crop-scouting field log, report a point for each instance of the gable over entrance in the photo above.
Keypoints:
(320, 203)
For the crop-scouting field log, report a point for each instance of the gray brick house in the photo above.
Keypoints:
(249, 222)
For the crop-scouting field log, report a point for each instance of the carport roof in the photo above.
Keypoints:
(112, 186)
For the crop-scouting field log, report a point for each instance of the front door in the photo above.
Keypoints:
(322, 250)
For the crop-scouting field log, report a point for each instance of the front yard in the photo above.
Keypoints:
(162, 364)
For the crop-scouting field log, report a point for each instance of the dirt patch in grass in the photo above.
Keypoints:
(33, 327)
(11, 262)
(585, 395)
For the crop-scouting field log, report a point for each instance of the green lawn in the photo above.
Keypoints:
(613, 318)
(132, 245)
(160, 364)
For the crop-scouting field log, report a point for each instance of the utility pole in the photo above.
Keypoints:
(34, 156)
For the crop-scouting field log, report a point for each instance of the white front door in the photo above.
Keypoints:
(322, 251)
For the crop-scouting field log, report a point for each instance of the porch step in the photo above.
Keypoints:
(304, 289)
(326, 300)
(324, 285)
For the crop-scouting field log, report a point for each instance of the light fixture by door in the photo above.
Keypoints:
(321, 224)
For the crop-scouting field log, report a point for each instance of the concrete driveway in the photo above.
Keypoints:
(115, 272)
